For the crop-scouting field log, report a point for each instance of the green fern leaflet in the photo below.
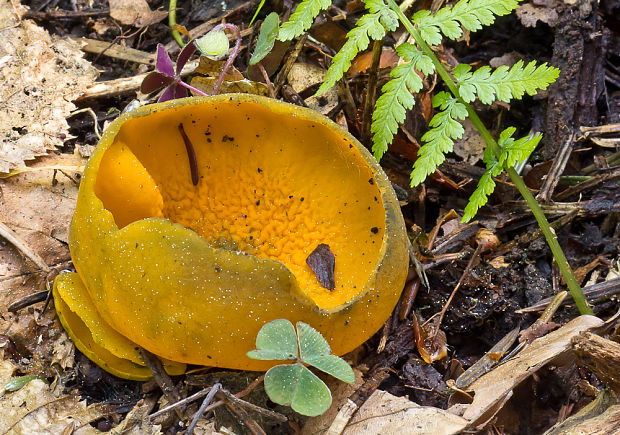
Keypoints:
(470, 14)
(513, 151)
(445, 127)
(370, 26)
(396, 99)
(302, 18)
(503, 83)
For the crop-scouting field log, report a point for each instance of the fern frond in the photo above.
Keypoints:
(513, 151)
(445, 127)
(503, 83)
(370, 26)
(396, 99)
(302, 18)
(470, 14)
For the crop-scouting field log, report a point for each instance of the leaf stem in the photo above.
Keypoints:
(231, 57)
(191, 88)
(172, 21)
(556, 250)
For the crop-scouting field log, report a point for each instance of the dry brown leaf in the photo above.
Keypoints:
(135, 12)
(33, 409)
(495, 388)
(39, 77)
(386, 414)
(471, 146)
(303, 76)
(341, 392)
(137, 421)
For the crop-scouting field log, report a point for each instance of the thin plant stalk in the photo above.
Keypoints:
(556, 250)
(172, 21)
(231, 58)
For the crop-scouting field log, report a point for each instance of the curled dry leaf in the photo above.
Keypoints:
(39, 78)
(135, 12)
(322, 262)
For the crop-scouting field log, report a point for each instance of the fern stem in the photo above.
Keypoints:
(556, 249)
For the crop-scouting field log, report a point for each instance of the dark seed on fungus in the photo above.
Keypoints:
(371, 181)
(374, 230)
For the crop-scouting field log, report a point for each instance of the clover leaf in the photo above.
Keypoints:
(294, 384)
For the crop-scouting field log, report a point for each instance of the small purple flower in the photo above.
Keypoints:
(168, 75)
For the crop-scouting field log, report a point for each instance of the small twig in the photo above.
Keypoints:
(242, 415)
(201, 410)
(473, 258)
(23, 247)
(371, 91)
(288, 63)
(162, 378)
(250, 406)
(191, 155)
(553, 176)
(32, 299)
(261, 68)
(231, 57)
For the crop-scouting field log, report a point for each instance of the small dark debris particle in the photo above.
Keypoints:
(251, 237)
(209, 356)
(371, 181)
(209, 139)
(260, 170)
(301, 199)
(258, 135)
(346, 322)
(374, 230)
(376, 200)
(350, 146)
(137, 244)
(227, 138)
(207, 133)
(245, 216)
(193, 121)
(322, 262)
(290, 197)
(258, 202)
(218, 269)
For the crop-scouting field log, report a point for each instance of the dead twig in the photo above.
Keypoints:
(23, 247)
(203, 406)
(557, 169)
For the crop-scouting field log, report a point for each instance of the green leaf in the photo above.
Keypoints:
(315, 351)
(276, 341)
(302, 18)
(266, 38)
(295, 386)
(469, 14)
(503, 83)
(369, 26)
(391, 107)
(439, 140)
(214, 44)
(513, 151)
(19, 383)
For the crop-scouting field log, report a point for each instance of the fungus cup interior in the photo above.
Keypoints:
(192, 271)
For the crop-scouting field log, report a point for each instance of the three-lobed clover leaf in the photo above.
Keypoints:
(294, 384)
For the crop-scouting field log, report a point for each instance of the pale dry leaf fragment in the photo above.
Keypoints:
(494, 388)
(33, 409)
(529, 14)
(471, 146)
(386, 414)
(137, 422)
(39, 78)
(304, 76)
(135, 12)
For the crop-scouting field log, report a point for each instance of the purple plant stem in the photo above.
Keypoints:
(191, 88)
(231, 58)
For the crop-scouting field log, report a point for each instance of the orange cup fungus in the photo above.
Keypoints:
(190, 259)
